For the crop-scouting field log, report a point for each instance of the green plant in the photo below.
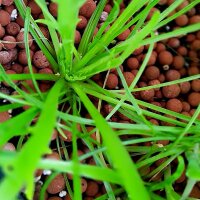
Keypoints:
(73, 68)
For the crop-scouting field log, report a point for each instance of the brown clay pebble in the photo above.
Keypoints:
(171, 91)
(182, 20)
(178, 62)
(88, 8)
(182, 51)
(138, 51)
(172, 75)
(20, 40)
(174, 105)
(129, 77)
(77, 37)
(4, 57)
(39, 60)
(35, 9)
(45, 31)
(92, 188)
(22, 58)
(9, 147)
(9, 42)
(152, 72)
(82, 23)
(196, 85)
(4, 116)
(13, 28)
(165, 58)
(124, 35)
(17, 68)
(195, 193)
(132, 63)
(194, 19)
(112, 81)
(194, 99)
(27, 71)
(174, 42)
(56, 185)
(53, 9)
(5, 18)
(67, 197)
(13, 54)
(186, 106)
(7, 2)
(185, 87)
(2, 31)
(147, 94)
(83, 185)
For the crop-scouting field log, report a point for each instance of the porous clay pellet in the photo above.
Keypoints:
(5, 18)
(56, 185)
(112, 81)
(171, 91)
(165, 58)
(194, 99)
(88, 8)
(92, 188)
(39, 60)
(174, 105)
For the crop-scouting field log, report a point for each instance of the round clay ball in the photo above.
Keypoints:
(172, 75)
(17, 68)
(147, 94)
(165, 58)
(7, 2)
(88, 8)
(92, 188)
(182, 20)
(132, 63)
(9, 42)
(171, 91)
(178, 62)
(174, 105)
(152, 72)
(196, 85)
(39, 60)
(112, 81)
(82, 23)
(185, 87)
(123, 36)
(129, 77)
(22, 57)
(194, 99)
(13, 28)
(5, 57)
(194, 19)
(35, 9)
(4, 116)
(173, 42)
(56, 185)
(53, 9)
(77, 37)
(20, 39)
(186, 106)
(83, 185)
(2, 31)
(5, 18)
